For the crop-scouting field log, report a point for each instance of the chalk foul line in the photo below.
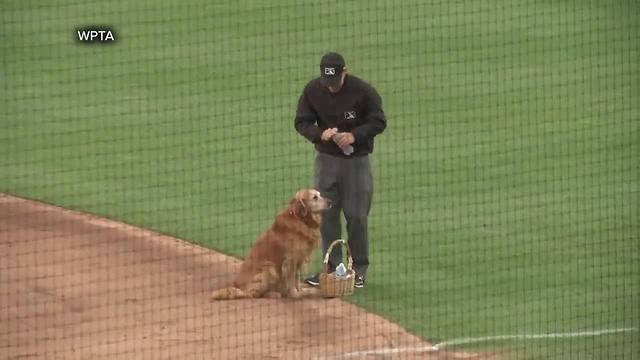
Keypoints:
(475, 340)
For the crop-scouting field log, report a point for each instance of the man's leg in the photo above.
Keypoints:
(326, 181)
(331, 229)
(357, 188)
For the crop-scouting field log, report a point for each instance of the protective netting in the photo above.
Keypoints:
(504, 219)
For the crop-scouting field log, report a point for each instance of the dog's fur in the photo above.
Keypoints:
(271, 269)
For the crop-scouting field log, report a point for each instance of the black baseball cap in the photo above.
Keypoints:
(331, 67)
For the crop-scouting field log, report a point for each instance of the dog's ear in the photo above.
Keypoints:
(298, 208)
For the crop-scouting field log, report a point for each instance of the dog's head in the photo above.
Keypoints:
(307, 202)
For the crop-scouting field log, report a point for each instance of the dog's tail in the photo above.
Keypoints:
(229, 293)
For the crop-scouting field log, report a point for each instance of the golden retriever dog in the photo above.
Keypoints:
(272, 266)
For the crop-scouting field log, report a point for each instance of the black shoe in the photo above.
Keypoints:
(359, 283)
(313, 280)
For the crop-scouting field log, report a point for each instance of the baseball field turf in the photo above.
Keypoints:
(506, 183)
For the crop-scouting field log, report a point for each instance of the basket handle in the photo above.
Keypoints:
(349, 259)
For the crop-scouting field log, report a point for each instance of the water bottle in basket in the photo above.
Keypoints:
(341, 271)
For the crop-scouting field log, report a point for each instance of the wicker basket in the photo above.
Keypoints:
(332, 285)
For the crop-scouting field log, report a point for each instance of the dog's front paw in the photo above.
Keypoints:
(273, 295)
(295, 293)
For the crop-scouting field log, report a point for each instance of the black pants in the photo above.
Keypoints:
(349, 184)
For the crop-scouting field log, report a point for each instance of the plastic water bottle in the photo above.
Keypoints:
(347, 150)
(341, 270)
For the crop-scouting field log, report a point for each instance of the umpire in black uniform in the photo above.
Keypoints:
(341, 114)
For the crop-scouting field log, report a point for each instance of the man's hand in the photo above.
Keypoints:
(345, 139)
(328, 134)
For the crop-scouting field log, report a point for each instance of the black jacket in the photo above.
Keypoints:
(356, 108)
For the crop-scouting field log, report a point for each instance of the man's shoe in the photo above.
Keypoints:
(359, 283)
(313, 280)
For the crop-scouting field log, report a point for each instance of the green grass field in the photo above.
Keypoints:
(506, 197)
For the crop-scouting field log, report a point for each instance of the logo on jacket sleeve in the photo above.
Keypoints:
(349, 115)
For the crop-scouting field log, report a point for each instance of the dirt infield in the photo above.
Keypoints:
(74, 286)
